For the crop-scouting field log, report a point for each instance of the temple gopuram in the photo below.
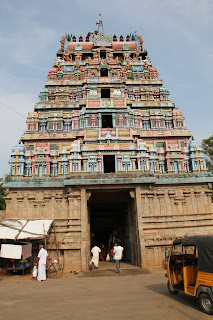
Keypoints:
(107, 156)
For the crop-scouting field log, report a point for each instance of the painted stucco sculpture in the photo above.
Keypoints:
(103, 96)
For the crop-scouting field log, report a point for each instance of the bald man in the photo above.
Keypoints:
(42, 260)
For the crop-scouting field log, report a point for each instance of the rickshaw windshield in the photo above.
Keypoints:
(177, 250)
(190, 250)
(181, 250)
(203, 253)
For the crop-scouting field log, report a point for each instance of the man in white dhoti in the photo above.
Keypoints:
(42, 260)
(95, 256)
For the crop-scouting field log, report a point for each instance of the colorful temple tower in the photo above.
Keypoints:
(106, 154)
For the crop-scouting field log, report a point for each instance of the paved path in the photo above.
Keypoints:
(127, 297)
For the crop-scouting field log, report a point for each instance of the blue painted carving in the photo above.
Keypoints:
(92, 164)
(17, 160)
(152, 159)
(64, 162)
(126, 163)
(43, 96)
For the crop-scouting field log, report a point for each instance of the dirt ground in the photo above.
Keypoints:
(98, 294)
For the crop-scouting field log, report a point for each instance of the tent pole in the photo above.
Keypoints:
(56, 242)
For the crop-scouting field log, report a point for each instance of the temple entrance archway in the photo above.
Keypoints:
(112, 217)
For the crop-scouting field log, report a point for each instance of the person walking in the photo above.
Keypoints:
(118, 254)
(42, 260)
(95, 256)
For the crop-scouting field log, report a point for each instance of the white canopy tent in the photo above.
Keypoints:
(24, 229)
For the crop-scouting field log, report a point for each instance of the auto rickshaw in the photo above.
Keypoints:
(190, 269)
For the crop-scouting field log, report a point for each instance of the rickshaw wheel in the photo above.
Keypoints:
(171, 290)
(206, 303)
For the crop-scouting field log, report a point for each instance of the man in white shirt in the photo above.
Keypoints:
(42, 260)
(118, 254)
(95, 256)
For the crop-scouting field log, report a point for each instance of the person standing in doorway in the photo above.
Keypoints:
(103, 253)
(118, 254)
(42, 260)
(95, 256)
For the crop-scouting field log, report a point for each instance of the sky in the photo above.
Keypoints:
(176, 33)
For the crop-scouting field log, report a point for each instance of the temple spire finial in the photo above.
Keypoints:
(100, 24)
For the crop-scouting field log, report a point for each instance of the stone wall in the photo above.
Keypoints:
(2, 214)
(166, 213)
(158, 214)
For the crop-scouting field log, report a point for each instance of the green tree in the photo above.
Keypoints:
(207, 145)
(7, 178)
(2, 195)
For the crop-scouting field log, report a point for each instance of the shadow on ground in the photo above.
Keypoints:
(181, 297)
(109, 269)
(112, 272)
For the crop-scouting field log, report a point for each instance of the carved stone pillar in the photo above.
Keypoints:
(139, 228)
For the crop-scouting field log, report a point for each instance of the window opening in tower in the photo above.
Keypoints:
(105, 93)
(107, 121)
(109, 163)
(104, 72)
(103, 54)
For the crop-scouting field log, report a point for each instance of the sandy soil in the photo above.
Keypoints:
(100, 294)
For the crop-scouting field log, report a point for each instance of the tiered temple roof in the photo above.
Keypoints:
(104, 109)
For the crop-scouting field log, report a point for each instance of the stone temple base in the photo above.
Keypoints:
(147, 212)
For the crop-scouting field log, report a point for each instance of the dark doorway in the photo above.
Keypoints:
(103, 54)
(109, 220)
(113, 216)
(104, 72)
(105, 93)
(107, 121)
(109, 163)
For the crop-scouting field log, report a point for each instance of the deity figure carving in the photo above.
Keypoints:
(117, 60)
(77, 66)
(94, 72)
(120, 120)
(126, 55)
(110, 55)
(62, 43)
(153, 72)
(60, 67)
(128, 67)
(141, 41)
(95, 54)
(145, 66)
(67, 56)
